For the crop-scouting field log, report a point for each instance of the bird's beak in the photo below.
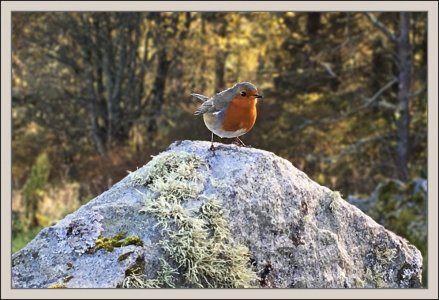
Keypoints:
(258, 96)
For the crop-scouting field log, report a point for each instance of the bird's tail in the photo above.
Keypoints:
(200, 97)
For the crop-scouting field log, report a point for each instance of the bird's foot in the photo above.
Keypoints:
(212, 148)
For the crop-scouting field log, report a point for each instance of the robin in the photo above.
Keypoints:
(230, 113)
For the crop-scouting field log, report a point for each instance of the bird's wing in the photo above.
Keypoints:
(200, 97)
(215, 103)
(206, 107)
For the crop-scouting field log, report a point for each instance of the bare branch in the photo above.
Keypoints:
(381, 27)
(356, 147)
(328, 68)
(379, 93)
(366, 104)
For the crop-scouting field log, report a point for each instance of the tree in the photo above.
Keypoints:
(403, 47)
(97, 56)
(168, 40)
(93, 81)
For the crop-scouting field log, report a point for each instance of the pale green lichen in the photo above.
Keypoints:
(359, 283)
(377, 273)
(174, 174)
(213, 214)
(307, 219)
(217, 183)
(195, 239)
(334, 198)
(376, 278)
(136, 279)
(386, 256)
(205, 252)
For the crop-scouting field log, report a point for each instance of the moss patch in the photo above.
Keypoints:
(117, 241)
(195, 238)
(57, 286)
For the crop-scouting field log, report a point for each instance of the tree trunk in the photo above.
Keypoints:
(221, 54)
(96, 105)
(158, 92)
(404, 83)
(313, 23)
(220, 70)
(95, 130)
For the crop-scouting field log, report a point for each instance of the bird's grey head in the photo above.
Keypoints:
(245, 86)
(246, 89)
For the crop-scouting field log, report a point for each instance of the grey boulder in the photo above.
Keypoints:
(239, 217)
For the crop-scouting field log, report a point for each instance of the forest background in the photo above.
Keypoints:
(95, 94)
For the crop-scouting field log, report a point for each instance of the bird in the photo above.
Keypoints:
(230, 113)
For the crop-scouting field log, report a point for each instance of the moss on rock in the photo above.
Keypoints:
(117, 241)
(57, 286)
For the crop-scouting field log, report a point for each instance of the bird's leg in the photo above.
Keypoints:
(239, 142)
(212, 148)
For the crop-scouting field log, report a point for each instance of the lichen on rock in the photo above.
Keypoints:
(82, 232)
(195, 237)
(402, 208)
(136, 279)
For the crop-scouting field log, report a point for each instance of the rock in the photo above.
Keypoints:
(240, 218)
(402, 208)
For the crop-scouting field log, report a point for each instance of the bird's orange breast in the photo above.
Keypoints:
(240, 114)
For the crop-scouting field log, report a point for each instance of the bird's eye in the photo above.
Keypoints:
(243, 93)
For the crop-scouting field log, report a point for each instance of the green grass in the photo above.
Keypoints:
(21, 239)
